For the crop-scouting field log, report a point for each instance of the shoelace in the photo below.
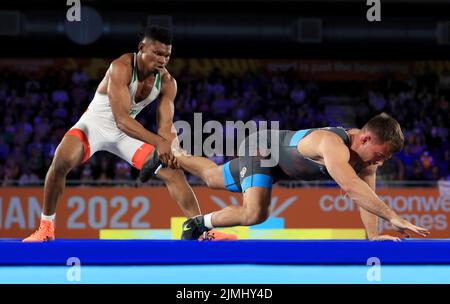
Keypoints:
(206, 236)
(210, 236)
(40, 230)
(37, 231)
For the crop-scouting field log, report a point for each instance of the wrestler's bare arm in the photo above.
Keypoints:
(336, 156)
(370, 220)
(165, 113)
(119, 98)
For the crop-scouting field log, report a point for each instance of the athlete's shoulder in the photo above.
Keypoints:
(121, 67)
(166, 77)
(331, 145)
(335, 133)
(327, 138)
(168, 82)
(123, 62)
(126, 58)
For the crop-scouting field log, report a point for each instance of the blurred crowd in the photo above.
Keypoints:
(37, 110)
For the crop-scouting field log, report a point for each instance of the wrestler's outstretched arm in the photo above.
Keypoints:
(336, 156)
(370, 220)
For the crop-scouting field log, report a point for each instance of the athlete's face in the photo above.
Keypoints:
(372, 151)
(155, 54)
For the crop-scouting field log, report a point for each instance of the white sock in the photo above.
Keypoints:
(207, 218)
(50, 218)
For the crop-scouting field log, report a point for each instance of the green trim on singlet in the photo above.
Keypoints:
(134, 76)
(158, 81)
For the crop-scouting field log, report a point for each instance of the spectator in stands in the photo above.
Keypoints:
(37, 109)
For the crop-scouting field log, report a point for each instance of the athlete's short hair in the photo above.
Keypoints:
(158, 33)
(386, 129)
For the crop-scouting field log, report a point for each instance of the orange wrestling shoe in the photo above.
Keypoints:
(214, 235)
(46, 232)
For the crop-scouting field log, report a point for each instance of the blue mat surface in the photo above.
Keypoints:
(226, 274)
(142, 252)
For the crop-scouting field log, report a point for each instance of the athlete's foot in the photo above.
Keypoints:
(46, 232)
(214, 235)
(150, 167)
(194, 228)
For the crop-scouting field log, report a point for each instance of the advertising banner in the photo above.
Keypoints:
(82, 212)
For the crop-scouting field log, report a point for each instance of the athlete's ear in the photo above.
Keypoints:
(365, 139)
(141, 45)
